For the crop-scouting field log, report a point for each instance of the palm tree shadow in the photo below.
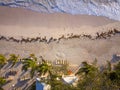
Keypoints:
(115, 58)
(17, 64)
(20, 84)
(7, 65)
(23, 73)
(7, 83)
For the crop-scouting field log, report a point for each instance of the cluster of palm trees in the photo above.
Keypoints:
(2, 63)
(90, 76)
(102, 35)
(36, 67)
(28, 63)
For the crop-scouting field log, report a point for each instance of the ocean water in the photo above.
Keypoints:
(107, 8)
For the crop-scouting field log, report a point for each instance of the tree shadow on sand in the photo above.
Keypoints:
(17, 64)
(115, 58)
(20, 84)
(7, 66)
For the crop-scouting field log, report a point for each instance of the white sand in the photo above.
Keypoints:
(19, 22)
(73, 50)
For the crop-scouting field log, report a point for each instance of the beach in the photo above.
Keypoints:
(59, 44)
(20, 23)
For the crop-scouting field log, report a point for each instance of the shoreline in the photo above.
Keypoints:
(17, 22)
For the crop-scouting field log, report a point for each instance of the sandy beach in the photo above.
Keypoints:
(74, 50)
(19, 22)
(25, 23)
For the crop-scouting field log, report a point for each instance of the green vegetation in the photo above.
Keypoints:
(90, 76)
(2, 82)
(93, 78)
(14, 59)
(44, 68)
(30, 63)
(2, 60)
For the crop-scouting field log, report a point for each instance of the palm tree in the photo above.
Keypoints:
(2, 82)
(30, 63)
(32, 56)
(87, 69)
(87, 75)
(117, 70)
(111, 76)
(114, 76)
(44, 68)
(14, 59)
(2, 60)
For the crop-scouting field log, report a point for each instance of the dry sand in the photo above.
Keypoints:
(18, 22)
(73, 50)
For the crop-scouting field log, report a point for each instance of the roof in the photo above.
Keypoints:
(69, 79)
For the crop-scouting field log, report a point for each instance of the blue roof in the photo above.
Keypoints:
(39, 86)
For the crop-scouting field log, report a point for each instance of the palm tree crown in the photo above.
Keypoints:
(2, 60)
(44, 68)
(87, 69)
(30, 63)
(14, 59)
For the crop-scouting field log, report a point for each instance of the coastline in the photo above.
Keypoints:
(18, 22)
(20, 26)
(57, 46)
